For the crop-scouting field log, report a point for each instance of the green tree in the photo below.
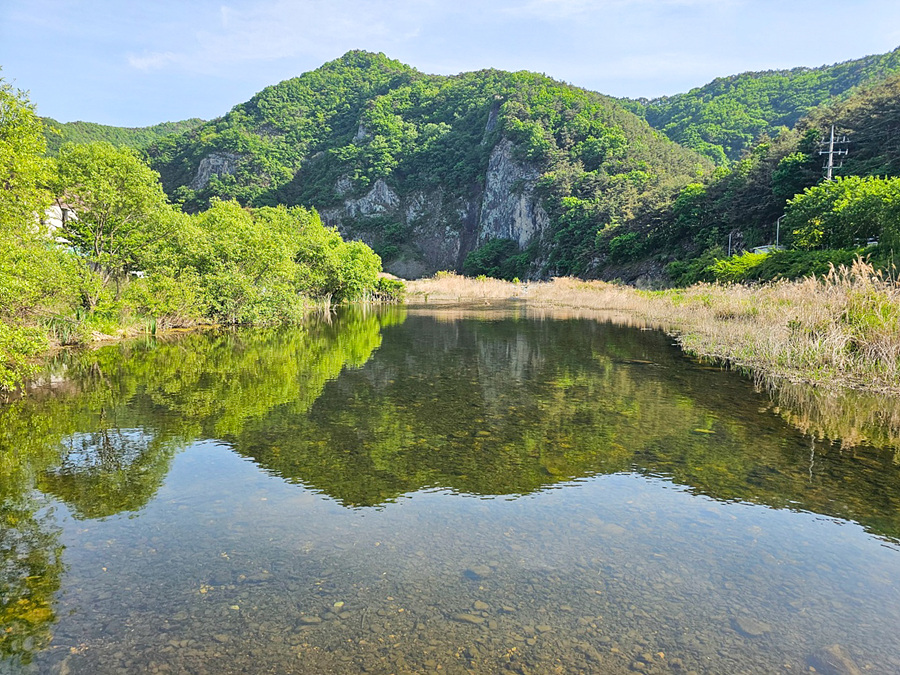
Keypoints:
(30, 270)
(497, 258)
(845, 212)
(23, 169)
(120, 209)
(243, 265)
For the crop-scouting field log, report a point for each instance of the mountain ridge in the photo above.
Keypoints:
(757, 103)
(400, 158)
(514, 172)
(58, 134)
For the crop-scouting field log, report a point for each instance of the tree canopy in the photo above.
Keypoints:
(724, 118)
(120, 208)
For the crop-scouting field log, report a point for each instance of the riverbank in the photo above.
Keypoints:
(840, 331)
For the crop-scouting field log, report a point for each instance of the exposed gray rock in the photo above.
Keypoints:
(416, 207)
(343, 186)
(492, 121)
(214, 164)
(509, 209)
(377, 201)
(361, 133)
(750, 627)
(441, 229)
(834, 660)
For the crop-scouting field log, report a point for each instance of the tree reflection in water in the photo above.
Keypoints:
(500, 404)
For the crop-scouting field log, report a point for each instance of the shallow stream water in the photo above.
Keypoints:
(442, 491)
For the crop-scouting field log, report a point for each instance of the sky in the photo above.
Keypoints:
(137, 63)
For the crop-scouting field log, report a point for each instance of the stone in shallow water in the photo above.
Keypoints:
(468, 618)
(833, 660)
(477, 572)
(612, 530)
(749, 626)
(480, 606)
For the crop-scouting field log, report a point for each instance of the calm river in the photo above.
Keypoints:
(451, 491)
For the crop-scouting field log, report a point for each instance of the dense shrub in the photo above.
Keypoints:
(497, 258)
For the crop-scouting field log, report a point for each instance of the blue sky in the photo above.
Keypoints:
(138, 63)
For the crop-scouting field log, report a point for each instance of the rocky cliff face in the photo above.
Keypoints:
(216, 164)
(509, 208)
(439, 230)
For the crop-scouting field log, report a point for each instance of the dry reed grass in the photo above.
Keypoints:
(851, 418)
(843, 330)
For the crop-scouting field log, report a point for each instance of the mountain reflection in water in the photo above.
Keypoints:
(371, 406)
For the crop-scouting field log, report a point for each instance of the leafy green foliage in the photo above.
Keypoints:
(737, 267)
(119, 205)
(19, 345)
(497, 258)
(713, 265)
(389, 290)
(59, 133)
(694, 270)
(798, 264)
(30, 273)
(124, 256)
(724, 118)
(23, 170)
(845, 213)
(741, 200)
(252, 265)
(274, 133)
(330, 134)
(869, 119)
(748, 198)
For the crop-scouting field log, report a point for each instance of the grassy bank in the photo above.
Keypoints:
(842, 330)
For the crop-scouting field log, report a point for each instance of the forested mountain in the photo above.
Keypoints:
(535, 174)
(515, 174)
(60, 133)
(724, 118)
(871, 121)
(746, 199)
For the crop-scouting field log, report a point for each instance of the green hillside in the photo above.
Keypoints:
(724, 118)
(273, 134)
(331, 134)
(747, 199)
(60, 133)
(428, 169)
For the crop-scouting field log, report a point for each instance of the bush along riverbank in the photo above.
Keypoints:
(840, 330)
(91, 248)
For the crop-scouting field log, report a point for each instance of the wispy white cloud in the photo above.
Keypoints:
(282, 29)
(152, 60)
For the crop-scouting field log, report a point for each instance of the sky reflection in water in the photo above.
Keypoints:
(387, 493)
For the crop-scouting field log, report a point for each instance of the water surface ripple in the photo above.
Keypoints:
(428, 492)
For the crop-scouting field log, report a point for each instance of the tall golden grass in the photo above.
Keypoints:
(842, 330)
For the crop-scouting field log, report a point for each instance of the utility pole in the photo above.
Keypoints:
(829, 165)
